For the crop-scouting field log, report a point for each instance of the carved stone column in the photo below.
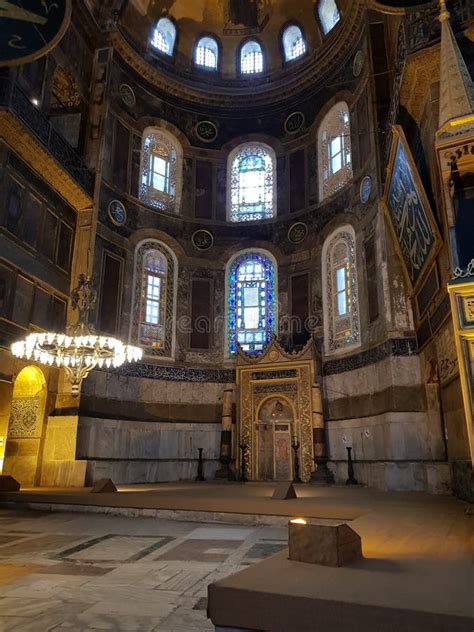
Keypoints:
(321, 473)
(226, 434)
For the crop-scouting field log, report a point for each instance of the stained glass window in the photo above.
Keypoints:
(161, 170)
(251, 302)
(252, 183)
(207, 53)
(334, 140)
(153, 298)
(164, 36)
(251, 58)
(329, 14)
(341, 322)
(294, 45)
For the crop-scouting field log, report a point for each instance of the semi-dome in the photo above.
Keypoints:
(237, 45)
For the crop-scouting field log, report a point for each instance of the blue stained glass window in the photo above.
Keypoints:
(251, 302)
(252, 184)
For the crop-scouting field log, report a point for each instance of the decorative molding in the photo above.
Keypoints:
(202, 239)
(297, 232)
(206, 131)
(294, 122)
(394, 347)
(117, 213)
(177, 374)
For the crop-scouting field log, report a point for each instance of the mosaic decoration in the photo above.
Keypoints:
(358, 63)
(297, 233)
(342, 303)
(158, 171)
(127, 95)
(31, 31)
(334, 140)
(252, 178)
(206, 131)
(294, 122)
(202, 239)
(117, 213)
(365, 189)
(157, 339)
(394, 347)
(408, 211)
(178, 374)
(251, 303)
(23, 417)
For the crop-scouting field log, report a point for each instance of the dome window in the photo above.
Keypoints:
(294, 44)
(207, 53)
(251, 58)
(164, 36)
(329, 15)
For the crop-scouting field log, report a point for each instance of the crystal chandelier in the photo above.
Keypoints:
(80, 349)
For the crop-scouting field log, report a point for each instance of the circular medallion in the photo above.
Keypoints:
(358, 63)
(206, 131)
(31, 29)
(365, 189)
(117, 213)
(202, 239)
(297, 233)
(294, 122)
(127, 95)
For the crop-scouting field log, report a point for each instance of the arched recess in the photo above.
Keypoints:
(25, 426)
(340, 291)
(161, 170)
(274, 428)
(154, 294)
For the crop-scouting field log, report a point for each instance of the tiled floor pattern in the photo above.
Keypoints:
(93, 572)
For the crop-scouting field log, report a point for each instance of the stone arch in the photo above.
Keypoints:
(25, 426)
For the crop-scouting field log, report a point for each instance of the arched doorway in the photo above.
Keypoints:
(25, 426)
(273, 440)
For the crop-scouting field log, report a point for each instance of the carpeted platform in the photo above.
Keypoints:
(248, 500)
(252, 499)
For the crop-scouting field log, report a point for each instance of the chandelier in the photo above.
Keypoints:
(80, 349)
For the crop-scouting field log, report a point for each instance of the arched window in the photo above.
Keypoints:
(207, 53)
(294, 45)
(329, 14)
(252, 183)
(164, 36)
(251, 301)
(161, 170)
(340, 295)
(334, 140)
(154, 298)
(251, 58)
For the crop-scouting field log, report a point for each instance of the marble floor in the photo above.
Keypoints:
(76, 572)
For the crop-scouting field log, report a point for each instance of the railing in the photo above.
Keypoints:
(13, 99)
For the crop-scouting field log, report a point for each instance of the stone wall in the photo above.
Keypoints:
(145, 430)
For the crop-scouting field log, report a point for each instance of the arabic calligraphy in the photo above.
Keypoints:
(409, 217)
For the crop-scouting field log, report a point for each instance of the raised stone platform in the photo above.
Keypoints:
(415, 576)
